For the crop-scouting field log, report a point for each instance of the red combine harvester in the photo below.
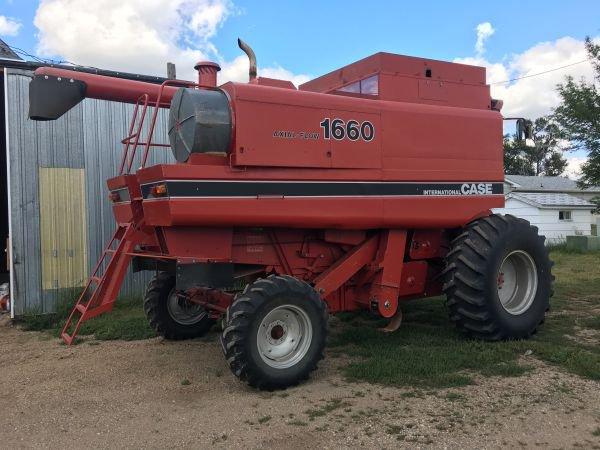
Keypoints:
(363, 188)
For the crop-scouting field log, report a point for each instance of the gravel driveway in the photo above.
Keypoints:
(161, 394)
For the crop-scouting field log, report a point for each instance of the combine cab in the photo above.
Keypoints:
(363, 188)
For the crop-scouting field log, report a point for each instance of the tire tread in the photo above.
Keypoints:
(464, 275)
(240, 316)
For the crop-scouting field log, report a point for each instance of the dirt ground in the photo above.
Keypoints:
(161, 394)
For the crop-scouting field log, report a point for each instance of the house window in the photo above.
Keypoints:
(368, 86)
(564, 215)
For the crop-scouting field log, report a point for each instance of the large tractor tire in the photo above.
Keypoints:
(498, 279)
(275, 332)
(170, 315)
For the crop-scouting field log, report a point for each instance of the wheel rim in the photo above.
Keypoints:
(517, 282)
(284, 336)
(184, 312)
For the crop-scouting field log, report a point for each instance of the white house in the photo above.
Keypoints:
(554, 204)
(560, 185)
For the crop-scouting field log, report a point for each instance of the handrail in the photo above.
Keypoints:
(180, 83)
(139, 131)
(127, 140)
(132, 140)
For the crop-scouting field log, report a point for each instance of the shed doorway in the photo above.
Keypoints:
(62, 228)
(4, 213)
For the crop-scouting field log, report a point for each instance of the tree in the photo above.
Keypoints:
(515, 159)
(579, 116)
(555, 164)
(544, 158)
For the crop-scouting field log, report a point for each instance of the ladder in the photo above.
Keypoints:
(102, 288)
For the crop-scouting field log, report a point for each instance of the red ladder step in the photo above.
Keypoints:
(101, 290)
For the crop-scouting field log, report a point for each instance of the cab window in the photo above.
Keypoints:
(366, 86)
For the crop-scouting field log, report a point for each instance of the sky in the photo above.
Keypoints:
(304, 39)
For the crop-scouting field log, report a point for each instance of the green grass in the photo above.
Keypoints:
(592, 322)
(126, 322)
(325, 409)
(298, 423)
(562, 248)
(35, 320)
(394, 429)
(427, 351)
(455, 397)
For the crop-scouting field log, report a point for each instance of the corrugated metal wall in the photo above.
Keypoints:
(87, 137)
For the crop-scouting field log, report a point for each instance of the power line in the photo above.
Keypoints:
(79, 67)
(540, 73)
(51, 61)
(36, 58)
(23, 52)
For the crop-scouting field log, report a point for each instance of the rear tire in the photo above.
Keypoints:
(275, 332)
(498, 279)
(170, 316)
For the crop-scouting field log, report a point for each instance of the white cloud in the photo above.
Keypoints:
(237, 70)
(132, 35)
(205, 20)
(9, 26)
(140, 36)
(484, 31)
(284, 74)
(534, 96)
(574, 166)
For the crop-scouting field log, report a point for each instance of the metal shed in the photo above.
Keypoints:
(55, 200)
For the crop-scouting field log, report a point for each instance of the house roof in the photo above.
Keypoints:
(546, 184)
(551, 200)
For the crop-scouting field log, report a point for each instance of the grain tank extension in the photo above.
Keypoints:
(360, 189)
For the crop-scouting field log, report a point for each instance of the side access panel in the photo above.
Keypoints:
(288, 128)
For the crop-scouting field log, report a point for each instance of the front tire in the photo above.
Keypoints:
(275, 332)
(498, 279)
(171, 316)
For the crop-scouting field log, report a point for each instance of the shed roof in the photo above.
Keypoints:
(551, 200)
(548, 184)
(7, 53)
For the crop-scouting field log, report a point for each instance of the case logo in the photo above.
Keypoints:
(476, 189)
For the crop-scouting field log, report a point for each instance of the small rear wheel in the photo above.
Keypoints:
(169, 314)
(274, 332)
(498, 279)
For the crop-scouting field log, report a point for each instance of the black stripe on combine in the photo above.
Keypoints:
(319, 189)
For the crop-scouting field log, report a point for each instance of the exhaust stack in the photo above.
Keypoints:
(251, 57)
